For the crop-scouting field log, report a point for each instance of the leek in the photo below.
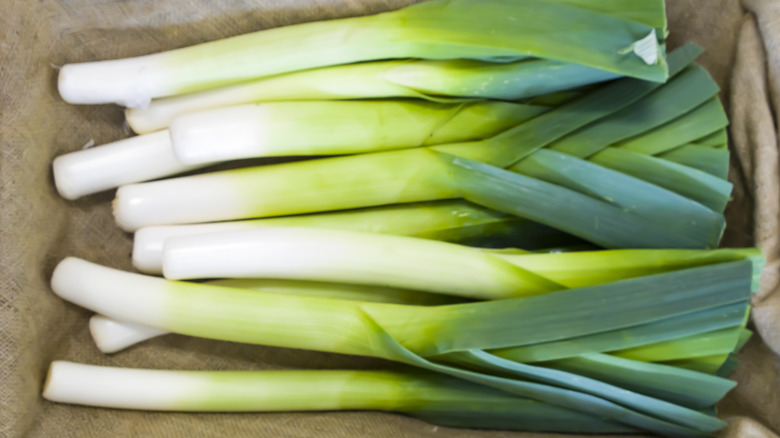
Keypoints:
(411, 263)
(334, 128)
(105, 167)
(112, 335)
(272, 319)
(350, 257)
(494, 30)
(565, 269)
(452, 221)
(416, 78)
(434, 398)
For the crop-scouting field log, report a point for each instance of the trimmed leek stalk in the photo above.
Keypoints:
(105, 167)
(307, 322)
(340, 183)
(280, 129)
(334, 128)
(415, 78)
(568, 269)
(111, 335)
(431, 397)
(453, 221)
(404, 262)
(350, 257)
(493, 30)
(423, 174)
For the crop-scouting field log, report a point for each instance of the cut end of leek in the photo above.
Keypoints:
(82, 283)
(111, 165)
(147, 249)
(52, 388)
(111, 336)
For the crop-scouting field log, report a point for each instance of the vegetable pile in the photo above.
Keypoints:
(525, 221)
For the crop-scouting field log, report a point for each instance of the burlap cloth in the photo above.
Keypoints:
(37, 228)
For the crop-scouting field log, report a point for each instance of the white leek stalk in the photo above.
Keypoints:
(412, 263)
(575, 269)
(431, 220)
(111, 335)
(244, 193)
(417, 78)
(131, 160)
(349, 257)
(336, 128)
(127, 388)
(434, 398)
(343, 326)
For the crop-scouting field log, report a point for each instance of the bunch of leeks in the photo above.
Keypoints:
(463, 122)
(562, 348)
(579, 168)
